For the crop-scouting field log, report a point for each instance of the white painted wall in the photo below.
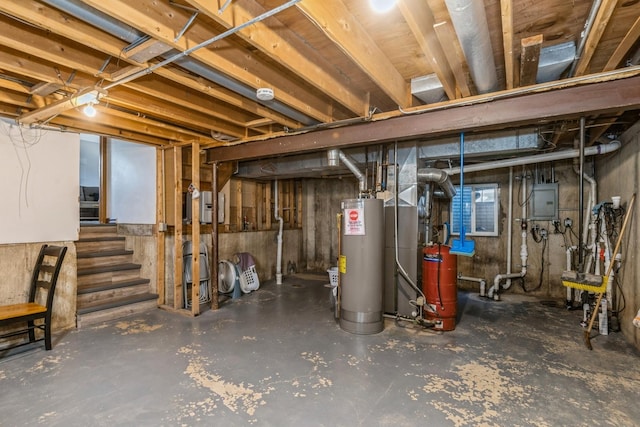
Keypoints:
(89, 160)
(132, 183)
(39, 183)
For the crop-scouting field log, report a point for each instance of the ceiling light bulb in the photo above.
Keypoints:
(382, 6)
(89, 110)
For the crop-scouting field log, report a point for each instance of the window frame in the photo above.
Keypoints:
(472, 230)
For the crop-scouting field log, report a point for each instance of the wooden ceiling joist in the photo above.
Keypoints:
(340, 26)
(133, 15)
(597, 29)
(506, 12)
(629, 40)
(455, 56)
(281, 45)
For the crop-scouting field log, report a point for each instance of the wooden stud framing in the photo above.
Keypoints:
(104, 182)
(267, 203)
(160, 234)
(292, 203)
(195, 232)
(299, 205)
(239, 219)
(177, 215)
(260, 208)
(214, 237)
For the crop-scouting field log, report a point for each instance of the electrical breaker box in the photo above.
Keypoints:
(206, 207)
(544, 202)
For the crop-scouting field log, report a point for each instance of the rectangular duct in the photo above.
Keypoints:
(554, 60)
(428, 89)
(500, 144)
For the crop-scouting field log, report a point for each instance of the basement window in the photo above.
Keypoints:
(480, 211)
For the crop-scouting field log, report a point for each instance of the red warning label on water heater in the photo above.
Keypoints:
(354, 219)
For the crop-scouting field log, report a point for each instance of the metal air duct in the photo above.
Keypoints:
(470, 22)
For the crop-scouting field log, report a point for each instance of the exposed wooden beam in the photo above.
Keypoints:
(529, 59)
(532, 108)
(280, 44)
(506, 11)
(599, 25)
(204, 86)
(625, 45)
(195, 232)
(156, 107)
(134, 15)
(420, 19)
(70, 28)
(63, 24)
(337, 22)
(177, 242)
(80, 124)
(455, 57)
(214, 235)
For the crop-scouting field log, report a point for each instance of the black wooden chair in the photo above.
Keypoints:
(43, 285)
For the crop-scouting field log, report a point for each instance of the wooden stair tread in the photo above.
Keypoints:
(97, 287)
(101, 239)
(108, 268)
(103, 253)
(116, 302)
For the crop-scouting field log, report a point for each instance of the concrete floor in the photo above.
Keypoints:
(277, 357)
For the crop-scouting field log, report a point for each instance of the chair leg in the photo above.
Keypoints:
(32, 333)
(47, 335)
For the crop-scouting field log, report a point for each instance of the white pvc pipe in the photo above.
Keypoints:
(276, 213)
(480, 280)
(569, 267)
(524, 254)
(510, 227)
(538, 158)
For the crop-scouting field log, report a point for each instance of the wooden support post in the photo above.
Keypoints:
(259, 202)
(195, 231)
(214, 237)
(104, 182)
(267, 204)
(239, 216)
(178, 302)
(161, 225)
(299, 205)
(291, 202)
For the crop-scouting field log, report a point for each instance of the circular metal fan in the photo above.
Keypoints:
(228, 277)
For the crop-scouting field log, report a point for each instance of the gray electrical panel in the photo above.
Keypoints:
(544, 202)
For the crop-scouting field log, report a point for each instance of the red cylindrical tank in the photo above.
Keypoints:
(439, 284)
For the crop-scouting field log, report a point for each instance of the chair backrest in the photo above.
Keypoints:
(187, 255)
(45, 272)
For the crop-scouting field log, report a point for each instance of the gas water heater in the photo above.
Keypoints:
(361, 266)
(439, 285)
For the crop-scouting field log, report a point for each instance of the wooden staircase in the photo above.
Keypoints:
(109, 283)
